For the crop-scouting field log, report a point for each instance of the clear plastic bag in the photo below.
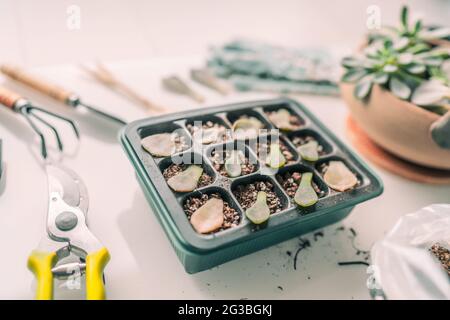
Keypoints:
(402, 264)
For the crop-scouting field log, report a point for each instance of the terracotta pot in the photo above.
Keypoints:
(398, 126)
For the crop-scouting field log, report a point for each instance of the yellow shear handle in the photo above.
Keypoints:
(41, 264)
(95, 263)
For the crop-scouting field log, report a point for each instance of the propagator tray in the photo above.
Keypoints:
(199, 252)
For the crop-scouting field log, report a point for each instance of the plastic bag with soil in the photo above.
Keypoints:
(404, 266)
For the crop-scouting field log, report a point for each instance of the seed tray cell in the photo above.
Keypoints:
(197, 251)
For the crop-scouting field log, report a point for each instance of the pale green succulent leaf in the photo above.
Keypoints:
(401, 43)
(259, 212)
(381, 78)
(399, 89)
(416, 68)
(351, 62)
(438, 33)
(390, 68)
(404, 17)
(362, 89)
(405, 58)
(306, 196)
(353, 75)
(309, 151)
(430, 93)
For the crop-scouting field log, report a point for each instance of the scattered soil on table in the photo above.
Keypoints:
(231, 218)
(218, 159)
(223, 132)
(317, 235)
(294, 120)
(443, 255)
(290, 182)
(298, 141)
(353, 263)
(246, 195)
(303, 244)
(306, 242)
(263, 150)
(175, 169)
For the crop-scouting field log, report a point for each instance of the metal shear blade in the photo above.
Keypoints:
(68, 233)
(69, 186)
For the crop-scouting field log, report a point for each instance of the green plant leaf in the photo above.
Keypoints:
(437, 73)
(275, 158)
(438, 33)
(416, 69)
(390, 68)
(405, 58)
(445, 70)
(309, 151)
(282, 119)
(404, 17)
(401, 43)
(259, 212)
(353, 75)
(440, 110)
(306, 196)
(247, 128)
(186, 180)
(417, 26)
(381, 78)
(339, 177)
(388, 45)
(351, 62)
(399, 89)
(209, 217)
(433, 61)
(233, 164)
(362, 89)
(430, 93)
(410, 79)
(159, 145)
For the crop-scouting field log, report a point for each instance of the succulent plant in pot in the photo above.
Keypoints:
(414, 33)
(398, 90)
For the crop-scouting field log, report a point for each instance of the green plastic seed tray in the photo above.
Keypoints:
(199, 251)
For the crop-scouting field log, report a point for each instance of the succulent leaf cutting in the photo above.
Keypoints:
(275, 159)
(339, 177)
(306, 196)
(208, 217)
(259, 212)
(233, 164)
(309, 151)
(247, 128)
(187, 180)
(159, 145)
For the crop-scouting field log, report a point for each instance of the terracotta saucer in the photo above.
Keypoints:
(391, 162)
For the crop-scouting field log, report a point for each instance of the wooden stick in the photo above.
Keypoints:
(104, 76)
(41, 85)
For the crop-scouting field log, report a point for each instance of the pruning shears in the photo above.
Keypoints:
(68, 233)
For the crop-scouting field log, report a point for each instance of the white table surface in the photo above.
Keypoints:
(143, 263)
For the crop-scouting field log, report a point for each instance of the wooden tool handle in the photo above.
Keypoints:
(8, 98)
(46, 88)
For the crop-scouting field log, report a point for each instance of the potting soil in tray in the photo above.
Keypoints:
(226, 173)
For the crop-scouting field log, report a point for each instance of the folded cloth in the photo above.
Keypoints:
(251, 65)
